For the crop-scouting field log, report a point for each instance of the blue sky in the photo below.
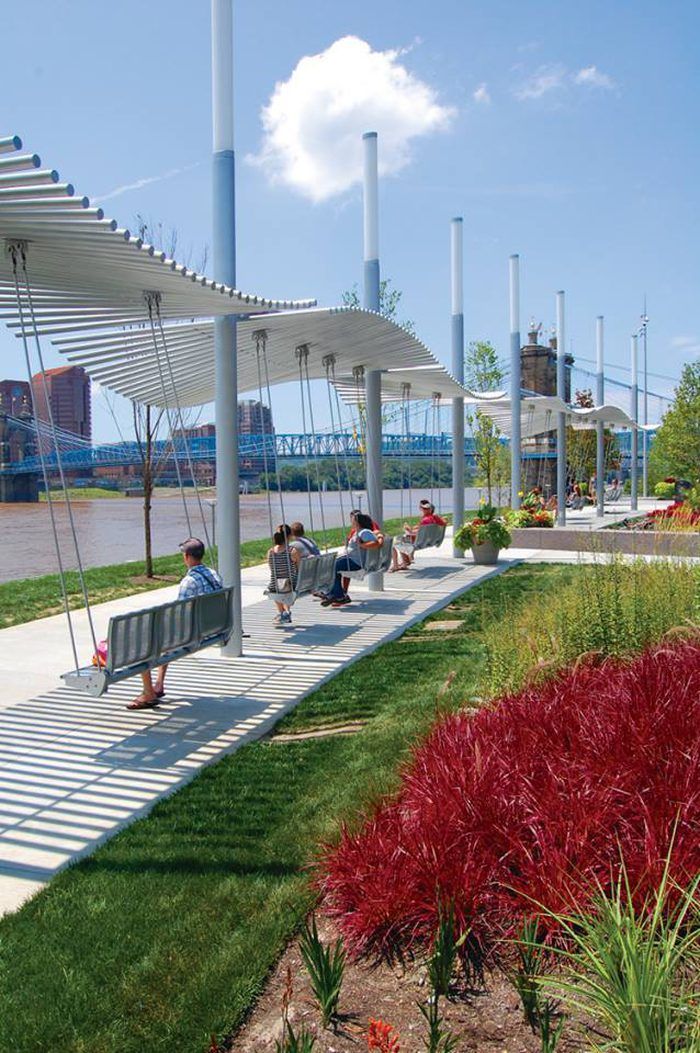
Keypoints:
(571, 138)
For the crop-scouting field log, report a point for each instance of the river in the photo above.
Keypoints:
(110, 530)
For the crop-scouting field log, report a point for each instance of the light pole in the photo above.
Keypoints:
(645, 407)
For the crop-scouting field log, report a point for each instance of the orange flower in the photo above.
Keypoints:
(382, 1037)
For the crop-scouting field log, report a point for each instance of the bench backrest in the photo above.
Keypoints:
(376, 560)
(430, 535)
(325, 576)
(142, 638)
(307, 575)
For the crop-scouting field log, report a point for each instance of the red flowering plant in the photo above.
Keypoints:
(382, 1037)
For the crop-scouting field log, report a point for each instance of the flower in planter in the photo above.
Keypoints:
(488, 525)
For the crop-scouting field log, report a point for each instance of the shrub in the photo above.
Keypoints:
(529, 517)
(534, 799)
(665, 491)
(325, 966)
(613, 608)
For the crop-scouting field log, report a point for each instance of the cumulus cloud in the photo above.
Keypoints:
(592, 77)
(481, 94)
(313, 123)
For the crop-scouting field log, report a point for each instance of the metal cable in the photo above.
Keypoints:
(277, 467)
(329, 363)
(183, 434)
(59, 461)
(258, 342)
(346, 457)
(299, 356)
(313, 432)
(44, 471)
(166, 406)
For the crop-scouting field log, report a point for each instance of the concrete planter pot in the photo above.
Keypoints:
(486, 554)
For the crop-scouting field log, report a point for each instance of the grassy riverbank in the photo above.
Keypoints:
(30, 598)
(167, 932)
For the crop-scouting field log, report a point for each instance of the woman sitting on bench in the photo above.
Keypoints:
(364, 534)
(428, 518)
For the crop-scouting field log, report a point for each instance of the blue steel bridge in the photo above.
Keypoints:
(80, 456)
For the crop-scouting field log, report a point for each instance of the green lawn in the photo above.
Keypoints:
(30, 598)
(166, 933)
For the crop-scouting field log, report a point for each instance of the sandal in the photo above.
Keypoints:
(143, 703)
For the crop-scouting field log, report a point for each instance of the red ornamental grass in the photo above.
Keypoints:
(532, 802)
(382, 1037)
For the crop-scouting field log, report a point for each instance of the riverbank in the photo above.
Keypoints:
(26, 599)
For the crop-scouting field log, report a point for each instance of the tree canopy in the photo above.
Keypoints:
(676, 448)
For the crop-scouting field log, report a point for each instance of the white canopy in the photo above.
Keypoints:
(84, 271)
(126, 361)
(539, 413)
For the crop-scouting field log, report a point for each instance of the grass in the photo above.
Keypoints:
(166, 933)
(82, 493)
(30, 598)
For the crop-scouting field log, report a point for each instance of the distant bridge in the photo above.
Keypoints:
(80, 456)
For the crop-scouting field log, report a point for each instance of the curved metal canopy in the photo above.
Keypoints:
(126, 361)
(85, 271)
(539, 413)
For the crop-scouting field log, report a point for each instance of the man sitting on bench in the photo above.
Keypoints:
(428, 518)
(198, 579)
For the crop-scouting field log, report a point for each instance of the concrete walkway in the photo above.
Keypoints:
(75, 769)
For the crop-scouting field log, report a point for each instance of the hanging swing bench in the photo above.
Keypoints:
(143, 640)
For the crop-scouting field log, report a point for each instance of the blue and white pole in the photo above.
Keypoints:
(515, 395)
(634, 414)
(373, 377)
(224, 264)
(561, 417)
(600, 425)
(457, 269)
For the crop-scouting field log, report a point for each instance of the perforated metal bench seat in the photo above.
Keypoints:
(315, 574)
(374, 560)
(143, 640)
(429, 535)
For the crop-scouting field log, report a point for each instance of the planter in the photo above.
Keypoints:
(486, 553)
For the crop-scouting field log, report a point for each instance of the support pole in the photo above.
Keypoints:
(600, 425)
(373, 377)
(515, 397)
(224, 265)
(457, 260)
(561, 417)
(645, 407)
(634, 414)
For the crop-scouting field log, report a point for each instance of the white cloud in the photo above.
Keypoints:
(481, 94)
(690, 345)
(592, 77)
(556, 78)
(542, 81)
(144, 181)
(314, 121)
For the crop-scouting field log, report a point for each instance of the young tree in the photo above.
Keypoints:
(482, 372)
(389, 300)
(581, 444)
(676, 447)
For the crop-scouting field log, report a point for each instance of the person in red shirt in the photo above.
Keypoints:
(428, 517)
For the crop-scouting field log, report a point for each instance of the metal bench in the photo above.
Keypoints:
(373, 560)
(429, 535)
(142, 640)
(315, 574)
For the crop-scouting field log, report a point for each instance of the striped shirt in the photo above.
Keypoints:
(283, 570)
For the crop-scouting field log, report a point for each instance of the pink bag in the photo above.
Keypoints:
(100, 656)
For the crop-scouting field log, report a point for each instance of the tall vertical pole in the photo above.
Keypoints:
(457, 269)
(645, 408)
(561, 417)
(634, 414)
(600, 425)
(224, 264)
(373, 377)
(515, 385)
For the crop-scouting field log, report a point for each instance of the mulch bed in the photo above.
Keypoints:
(487, 1021)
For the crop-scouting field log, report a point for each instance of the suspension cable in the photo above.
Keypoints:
(358, 373)
(44, 471)
(299, 353)
(260, 337)
(313, 432)
(346, 456)
(278, 475)
(183, 434)
(150, 299)
(54, 433)
(329, 365)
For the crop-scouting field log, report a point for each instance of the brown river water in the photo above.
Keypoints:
(111, 530)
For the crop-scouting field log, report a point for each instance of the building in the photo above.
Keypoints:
(538, 365)
(69, 395)
(254, 418)
(15, 398)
